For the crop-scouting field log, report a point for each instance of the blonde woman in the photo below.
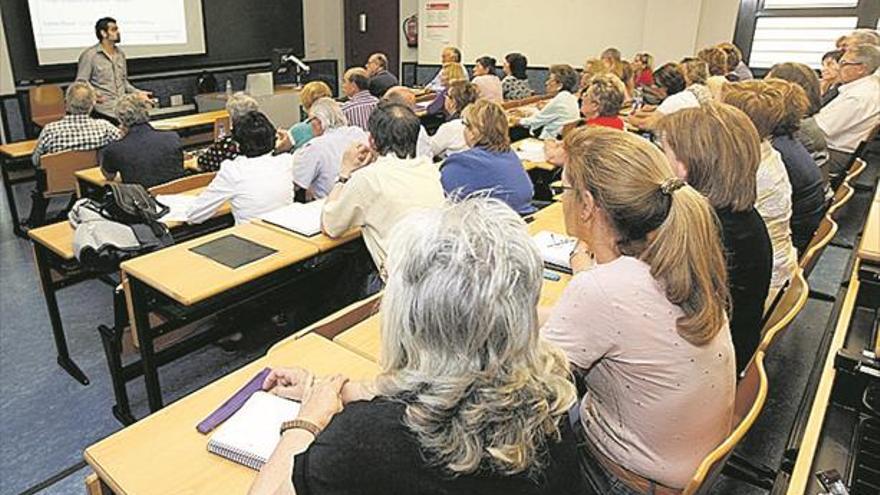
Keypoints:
(450, 73)
(489, 165)
(765, 106)
(449, 137)
(301, 132)
(592, 68)
(647, 322)
(471, 399)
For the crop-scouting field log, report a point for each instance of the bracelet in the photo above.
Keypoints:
(301, 424)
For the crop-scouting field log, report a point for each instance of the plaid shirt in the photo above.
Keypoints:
(74, 132)
(358, 108)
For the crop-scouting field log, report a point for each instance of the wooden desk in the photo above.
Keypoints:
(550, 218)
(11, 153)
(186, 278)
(190, 121)
(320, 241)
(91, 179)
(530, 165)
(164, 453)
(364, 337)
(869, 247)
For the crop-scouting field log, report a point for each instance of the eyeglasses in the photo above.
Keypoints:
(844, 63)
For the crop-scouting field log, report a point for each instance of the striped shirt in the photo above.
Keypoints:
(359, 107)
(74, 132)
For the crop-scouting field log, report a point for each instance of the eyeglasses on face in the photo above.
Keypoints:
(845, 63)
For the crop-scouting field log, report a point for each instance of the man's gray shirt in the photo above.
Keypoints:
(107, 74)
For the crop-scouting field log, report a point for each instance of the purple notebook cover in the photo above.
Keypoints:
(234, 403)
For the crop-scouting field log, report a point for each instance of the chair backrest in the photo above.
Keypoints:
(47, 103)
(183, 184)
(60, 167)
(222, 127)
(843, 194)
(858, 166)
(824, 233)
(751, 394)
(792, 301)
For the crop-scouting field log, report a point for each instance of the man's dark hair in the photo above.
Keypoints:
(103, 25)
(518, 64)
(254, 134)
(670, 76)
(395, 129)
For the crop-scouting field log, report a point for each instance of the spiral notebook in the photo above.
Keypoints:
(252, 433)
(555, 250)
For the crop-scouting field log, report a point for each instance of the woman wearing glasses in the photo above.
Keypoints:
(561, 109)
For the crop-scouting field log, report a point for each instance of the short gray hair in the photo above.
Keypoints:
(460, 339)
(131, 109)
(868, 55)
(239, 105)
(80, 98)
(864, 36)
(328, 112)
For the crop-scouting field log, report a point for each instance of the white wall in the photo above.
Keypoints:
(407, 8)
(324, 31)
(570, 31)
(7, 83)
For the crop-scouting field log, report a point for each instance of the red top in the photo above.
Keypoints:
(613, 122)
(645, 78)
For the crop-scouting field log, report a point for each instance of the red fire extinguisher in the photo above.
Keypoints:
(411, 30)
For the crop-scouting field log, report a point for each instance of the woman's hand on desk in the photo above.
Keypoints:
(322, 400)
(290, 383)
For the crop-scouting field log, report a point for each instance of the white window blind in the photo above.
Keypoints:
(796, 39)
(808, 4)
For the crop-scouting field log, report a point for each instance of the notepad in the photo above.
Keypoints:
(250, 436)
(302, 218)
(531, 150)
(179, 205)
(555, 249)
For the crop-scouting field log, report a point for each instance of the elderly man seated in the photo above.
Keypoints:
(76, 130)
(144, 155)
(849, 119)
(316, 164)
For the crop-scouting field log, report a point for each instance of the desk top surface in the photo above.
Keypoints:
(320, 241)
(18, 149)
(193, 120)
(869, 247)
(95, 177)
(164, 453)
(550, 218)
(530, 165)
(189, 278)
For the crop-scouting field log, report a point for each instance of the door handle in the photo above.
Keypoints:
(362, 22)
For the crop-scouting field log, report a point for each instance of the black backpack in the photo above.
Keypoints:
(132, 204)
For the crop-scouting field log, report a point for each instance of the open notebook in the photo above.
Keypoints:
(531, 150)
(179, 204)
(302, 218)
(252, 433)
(555, 249)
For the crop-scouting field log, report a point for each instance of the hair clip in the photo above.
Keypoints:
(671, 185)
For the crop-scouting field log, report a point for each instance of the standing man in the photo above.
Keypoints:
(104, 66)
(380, 78)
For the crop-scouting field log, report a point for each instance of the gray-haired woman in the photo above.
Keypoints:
(471, 399)
(225, 147)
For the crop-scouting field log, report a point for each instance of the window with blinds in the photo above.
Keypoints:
(796, 39)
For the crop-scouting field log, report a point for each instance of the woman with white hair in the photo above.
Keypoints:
(225, 147)
(144, 155)
(470, 400)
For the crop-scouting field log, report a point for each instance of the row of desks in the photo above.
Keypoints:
(176, 453)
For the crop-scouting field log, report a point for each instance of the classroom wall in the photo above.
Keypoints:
(323, 31)
(569, 31)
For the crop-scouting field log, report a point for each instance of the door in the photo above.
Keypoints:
(372, 26)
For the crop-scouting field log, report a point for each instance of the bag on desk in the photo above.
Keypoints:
(100, 243)
(132, 204)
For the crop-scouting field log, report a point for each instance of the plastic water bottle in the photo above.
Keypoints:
(229, 87)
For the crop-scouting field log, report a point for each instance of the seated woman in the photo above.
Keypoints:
(225, 147)
(489, 165)
(765, 107)
(602, 100)
(643, 64)
(144, 155)
(676, 91)
(515, 85)
(647, 322)
(450, 73)
(486, 80)
(255, 182)
(808, 187)
(449, 138)
(471, 400)
(592, 68)
(561, 109)
(830, 82)
(716, 149)
(716, 59)
(301, 132)
(810, 136)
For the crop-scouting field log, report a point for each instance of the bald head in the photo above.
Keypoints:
(400, 95)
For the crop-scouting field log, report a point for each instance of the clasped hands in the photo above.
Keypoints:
(321, 397)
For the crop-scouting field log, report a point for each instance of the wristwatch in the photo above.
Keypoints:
(301, 424)
(342, 180)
